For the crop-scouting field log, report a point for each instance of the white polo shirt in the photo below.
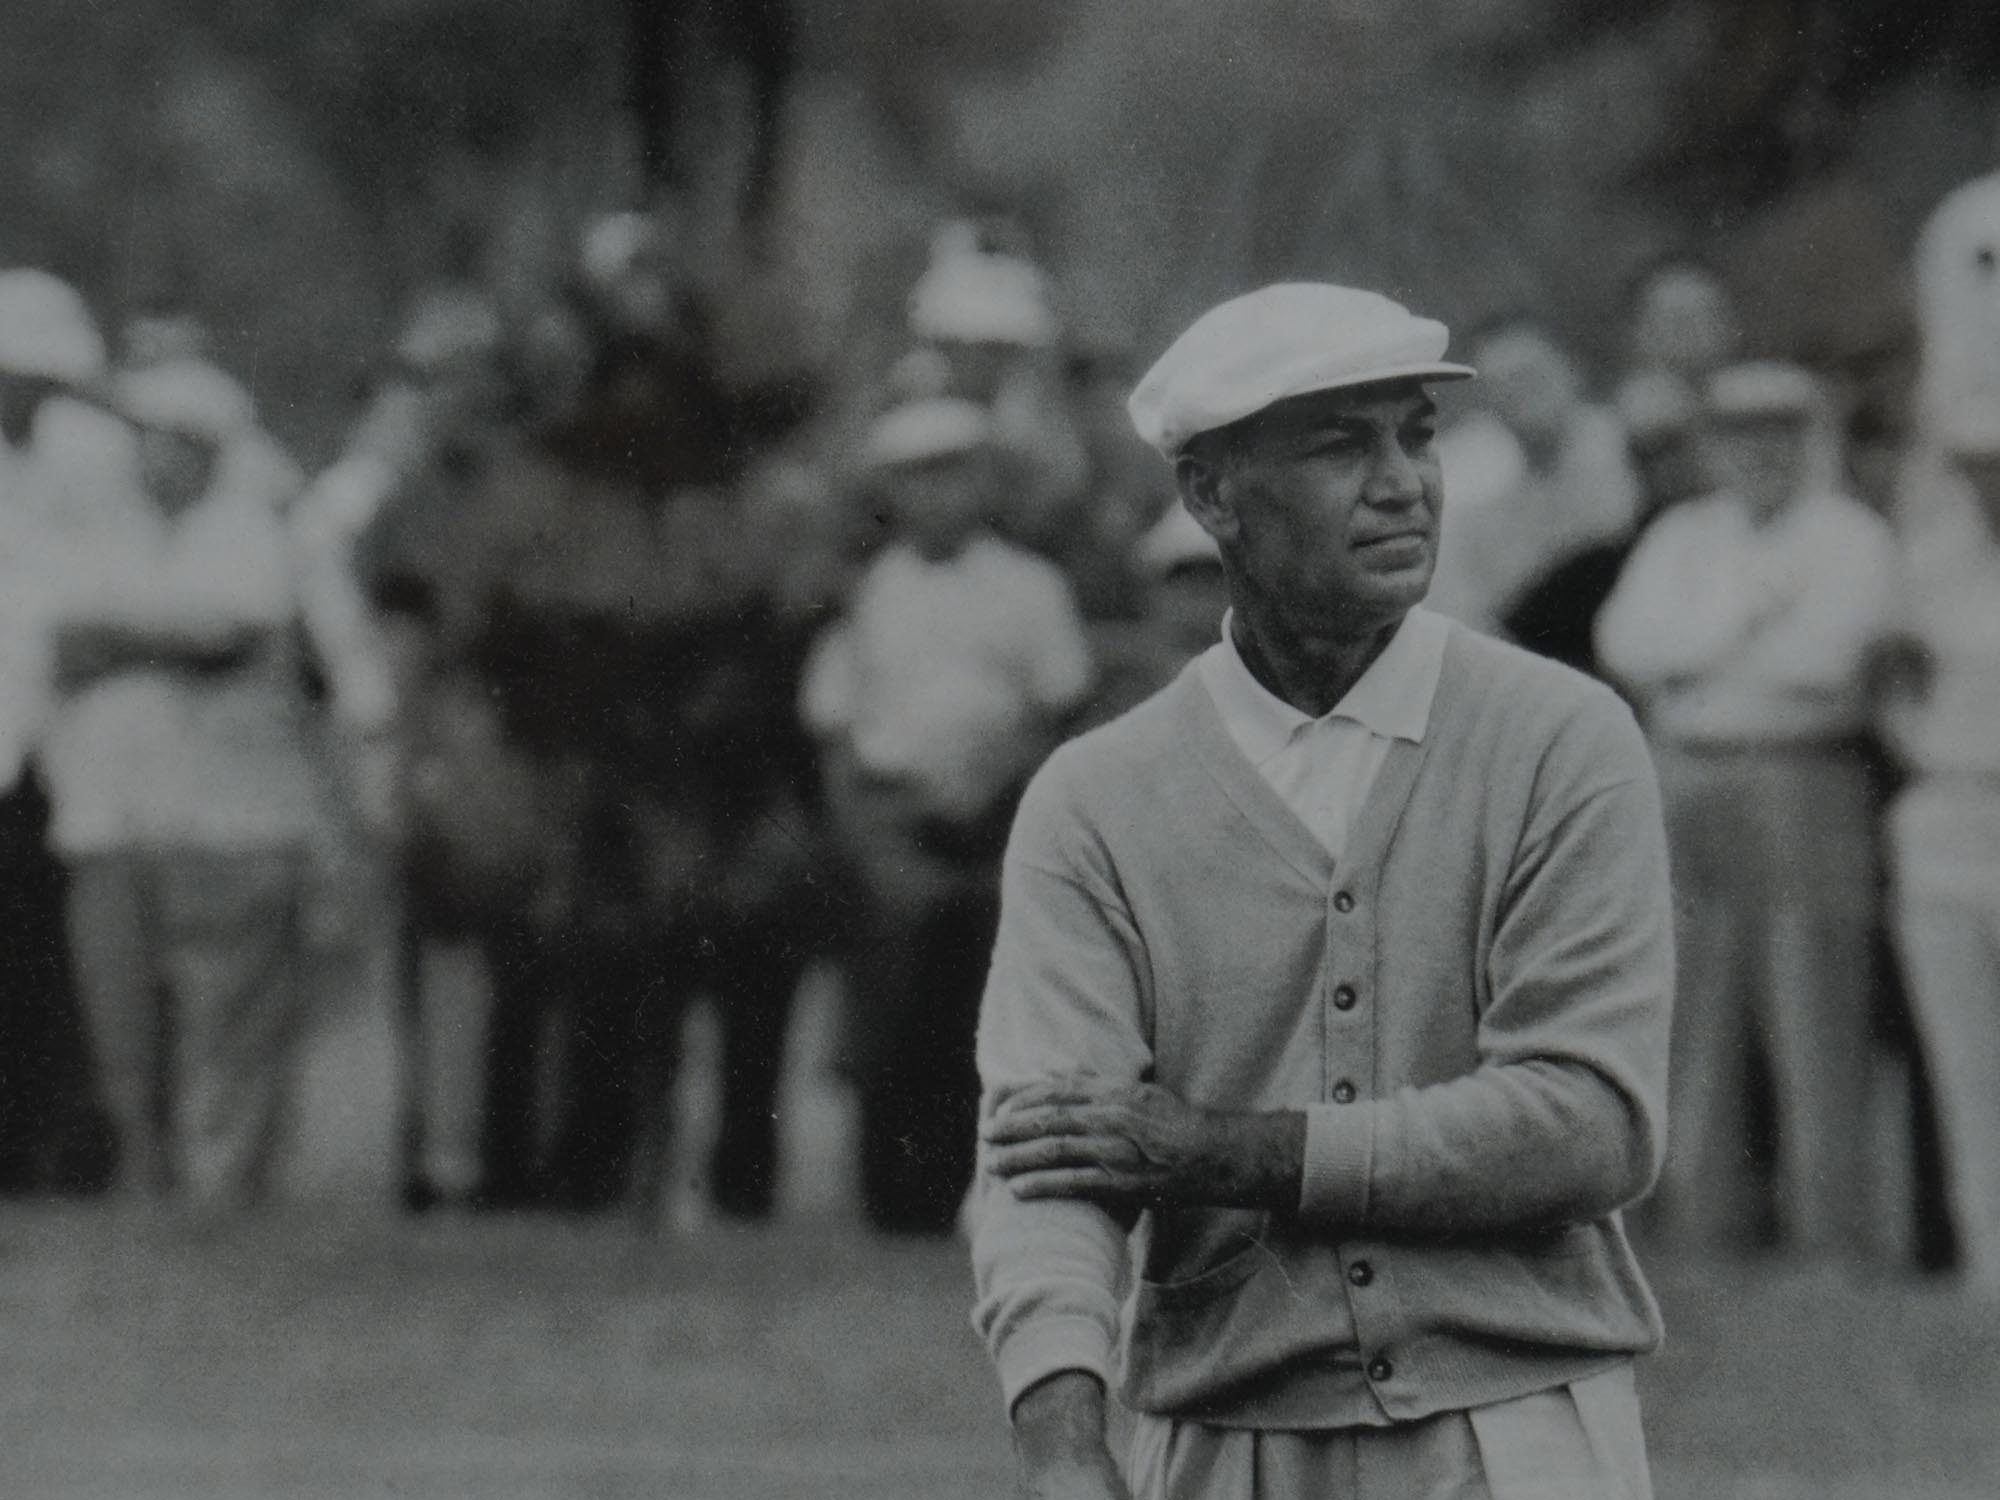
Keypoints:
(1324, 767)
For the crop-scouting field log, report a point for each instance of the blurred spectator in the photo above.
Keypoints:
(1742, 627)
(1542, 475)
(958, 662)
(1185, 596)
(49, 348)
(1683, 327)
(989, 314)
(613, 644)
(1944, 681)
(184, 797)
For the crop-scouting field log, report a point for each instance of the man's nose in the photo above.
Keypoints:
(1396, 481)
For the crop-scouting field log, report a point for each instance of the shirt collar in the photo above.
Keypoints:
(1392, 698)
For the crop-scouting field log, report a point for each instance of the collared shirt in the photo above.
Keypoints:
(1323, 767)
(949, 676)
(177, 756)
(1731, 633)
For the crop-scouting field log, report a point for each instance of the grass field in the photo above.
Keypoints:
(329, 1355)
(313, 1356)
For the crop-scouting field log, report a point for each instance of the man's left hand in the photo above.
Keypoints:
(1128, 1146)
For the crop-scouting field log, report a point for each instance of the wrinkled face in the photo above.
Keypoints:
(176, 467)
(1531, 383)
(1762, 460)
(1327, 505)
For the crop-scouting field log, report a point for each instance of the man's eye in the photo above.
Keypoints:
(1419, 437)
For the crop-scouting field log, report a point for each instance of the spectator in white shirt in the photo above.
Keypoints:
(1536, 479)
(1743, 627)
(1943, 719)
(958, 663)
(183, 797)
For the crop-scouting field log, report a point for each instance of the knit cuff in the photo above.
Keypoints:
(1047, 1346)
(1339, 1164)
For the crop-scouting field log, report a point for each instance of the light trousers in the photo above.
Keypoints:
(1775, 891)
(1948, 939)
(1582, 1441)
(187, 964)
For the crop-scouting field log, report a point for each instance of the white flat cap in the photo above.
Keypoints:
(185, 395)
(1280, 341)
(46, 330)
(1762, 389)
(918, 431)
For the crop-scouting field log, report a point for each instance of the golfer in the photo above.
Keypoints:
(1332, 992)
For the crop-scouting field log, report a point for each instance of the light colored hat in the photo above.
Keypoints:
(1762, 389)
(1174, 541)
(185, 395)
(46, 330)
(449, 324)
(972, 297)
(1281, 341)
(919, 431)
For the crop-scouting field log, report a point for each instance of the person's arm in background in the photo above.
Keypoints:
(1841, 599)
(210, 606)
(1065, 996)
(1563, 1119)
(1679, 608)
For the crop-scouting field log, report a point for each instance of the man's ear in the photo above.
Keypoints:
(1203, 487)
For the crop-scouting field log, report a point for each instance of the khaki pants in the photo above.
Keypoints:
(1775, 891)
(1581, 1441)
(1948, 938)
(187, 964)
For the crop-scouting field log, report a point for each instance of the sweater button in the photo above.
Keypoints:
(1360, 1273)
(1343, 1092)
(1344, 997)
(1344, 902)
(1380, 1369)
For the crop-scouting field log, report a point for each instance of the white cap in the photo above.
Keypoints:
(919, 431)
(1282, 341)
(185, 395)
(1761, 389)
(46, 330)
(1174, 541)
(972, 297)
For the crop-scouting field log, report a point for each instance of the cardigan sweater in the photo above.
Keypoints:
(1471, 1010)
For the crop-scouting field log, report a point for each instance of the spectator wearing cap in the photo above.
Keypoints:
(1540, 476)
(1944, 721)
(957, 663)
(991, 316)
(1743, 626)
(1340, 971)
(184, 800)
(58, 464)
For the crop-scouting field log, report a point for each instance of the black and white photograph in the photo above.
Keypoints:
(1011, 749)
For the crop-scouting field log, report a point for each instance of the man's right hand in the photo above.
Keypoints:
(1059, 1441)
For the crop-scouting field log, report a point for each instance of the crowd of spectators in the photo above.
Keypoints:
(589, 681)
